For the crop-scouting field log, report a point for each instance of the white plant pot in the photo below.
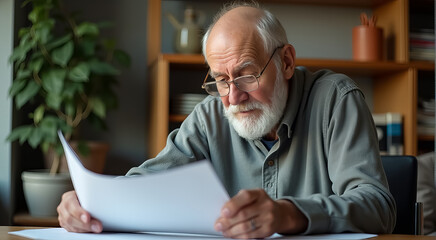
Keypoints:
(43, 191)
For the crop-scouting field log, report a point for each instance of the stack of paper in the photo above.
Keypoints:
(186, 199)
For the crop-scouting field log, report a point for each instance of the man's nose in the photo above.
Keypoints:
(236, 96)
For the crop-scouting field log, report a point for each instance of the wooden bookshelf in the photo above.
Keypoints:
(394, 80)
(25, 219)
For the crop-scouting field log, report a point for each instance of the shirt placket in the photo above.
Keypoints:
(270, 170)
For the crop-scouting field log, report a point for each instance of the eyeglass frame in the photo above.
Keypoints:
(203, 86)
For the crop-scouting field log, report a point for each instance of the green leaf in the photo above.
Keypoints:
(40, 11)
(49, 126)
(23, 31)
(38, 114)
(62, 55)
(64, 127)
(23, 74)
(35, 137)
(36, 64)
(45, 146)
(122, 57)
(83, 148)
(26, 41)
(47, 23)
(22, 133)
(87, 28)
(53, 80)
(98, 107)
(59, 149)
(87, 47)
(58, 41)
(34, 14)
(53, 100)
(102, 68)
(79, 73)
(42, 33)
(17, 86)
(71, 89)
(70, 109)
(18, 55)
(29, 92)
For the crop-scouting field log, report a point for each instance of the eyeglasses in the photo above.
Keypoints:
(246, 83)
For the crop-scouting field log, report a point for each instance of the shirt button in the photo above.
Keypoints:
(270, 163)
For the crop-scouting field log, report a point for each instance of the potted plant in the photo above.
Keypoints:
(65, 72)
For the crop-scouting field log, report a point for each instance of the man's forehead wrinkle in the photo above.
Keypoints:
(235, 70)
(246, 57)
(242, 49)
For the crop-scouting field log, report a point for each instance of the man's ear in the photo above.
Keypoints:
(288, 61)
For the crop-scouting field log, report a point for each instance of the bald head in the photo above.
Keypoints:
(235, 30)
(237, 24)
(238, 20)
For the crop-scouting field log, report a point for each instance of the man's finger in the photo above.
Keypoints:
(247, 229)
(239, 201)
(74, 218)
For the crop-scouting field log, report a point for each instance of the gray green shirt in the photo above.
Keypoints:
(326, 160)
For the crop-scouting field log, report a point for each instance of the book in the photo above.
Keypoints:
(380, 125)
(394, 129)
(389, 132)
(422, 44)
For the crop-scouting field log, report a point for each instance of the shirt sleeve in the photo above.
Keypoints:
(361, 201)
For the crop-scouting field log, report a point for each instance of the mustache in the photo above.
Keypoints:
(248, 106)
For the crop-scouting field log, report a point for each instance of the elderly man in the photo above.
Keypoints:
(296, 150)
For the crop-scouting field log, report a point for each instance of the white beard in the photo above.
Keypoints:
(255, 127)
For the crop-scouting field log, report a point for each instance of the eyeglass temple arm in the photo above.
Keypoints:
(207, 75)
(269, 60)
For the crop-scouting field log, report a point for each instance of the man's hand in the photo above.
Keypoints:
(74, 218)
(253, 214)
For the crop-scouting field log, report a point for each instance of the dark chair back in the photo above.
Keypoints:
(401, 172)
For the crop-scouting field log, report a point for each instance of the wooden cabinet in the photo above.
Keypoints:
(394, 79)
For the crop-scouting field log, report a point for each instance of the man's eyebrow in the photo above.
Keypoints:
(236, 70)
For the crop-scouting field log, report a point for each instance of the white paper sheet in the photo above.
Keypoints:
(185, 199)
(60, 233)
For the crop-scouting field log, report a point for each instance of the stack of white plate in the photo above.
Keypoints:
(185, 103)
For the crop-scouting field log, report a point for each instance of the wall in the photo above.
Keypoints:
(6, 37)
(315, 31)
(127, 124)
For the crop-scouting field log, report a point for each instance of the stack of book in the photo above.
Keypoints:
(422, 43)
(390, 132)
(426, 117)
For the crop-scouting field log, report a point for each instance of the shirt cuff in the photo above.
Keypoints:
(318, 221)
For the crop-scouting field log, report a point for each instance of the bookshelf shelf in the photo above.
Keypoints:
(184, 59)
(177, 118)
(425, 137)
(423, 65)
(344, 66)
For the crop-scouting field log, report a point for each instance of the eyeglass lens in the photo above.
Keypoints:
(222, 88)
(246, 83)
